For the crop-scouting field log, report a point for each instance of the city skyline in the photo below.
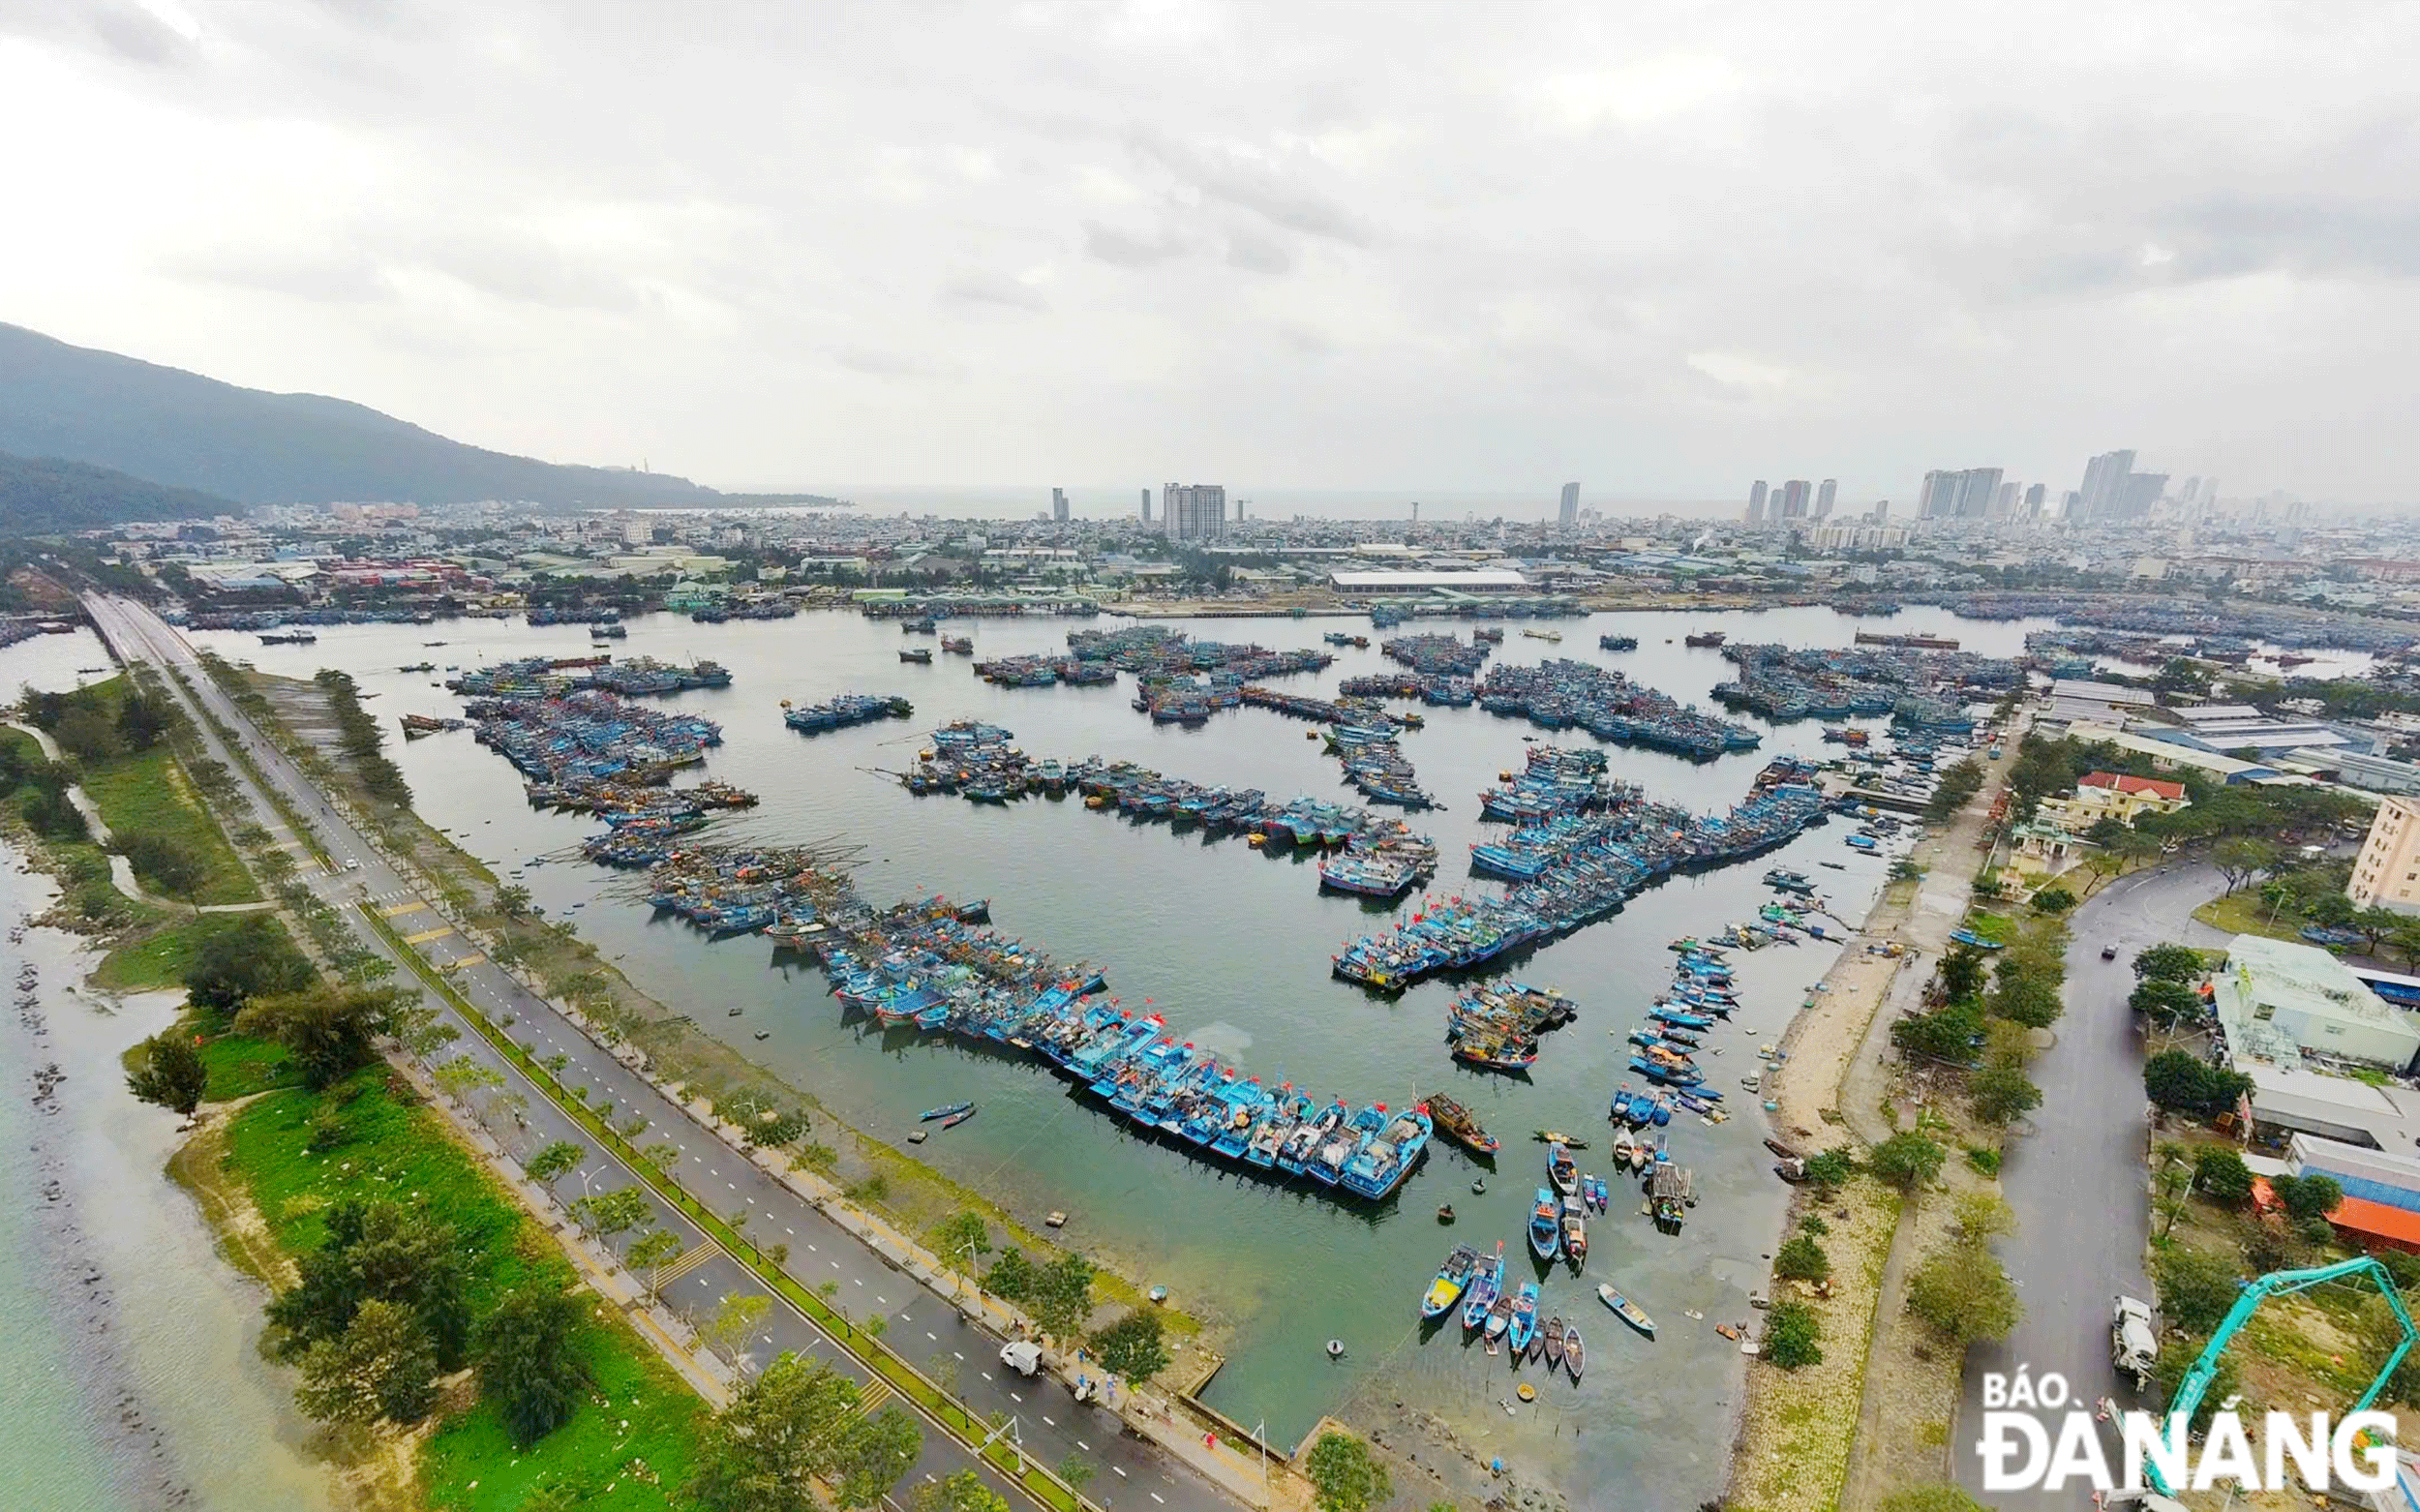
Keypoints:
(1223, 235)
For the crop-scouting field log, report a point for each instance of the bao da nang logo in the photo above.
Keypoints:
(2036, 1437)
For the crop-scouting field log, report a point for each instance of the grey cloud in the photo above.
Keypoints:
(1127, 250)
(993, 289)
(1281, 197)
(1257, 254)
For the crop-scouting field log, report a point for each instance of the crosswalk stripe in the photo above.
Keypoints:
(426, 935)
(392, 909)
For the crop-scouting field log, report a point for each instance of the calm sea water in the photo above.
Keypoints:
(1233, 949)
(127, 1347)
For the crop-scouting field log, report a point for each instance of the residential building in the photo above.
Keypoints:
(1824, 493)
(1959, 495)
(2281, 1002)
(1194, 512)
(1795, 496)
(1756, 503)
(1058, 506)
(2387, 874)
(2112, 795)
(2034, 497)
(2104, 486)
(1146, 506)
(1570, 512)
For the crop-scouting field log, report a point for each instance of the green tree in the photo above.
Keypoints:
(1801, 1258)
(651, 1254)
(251, 957)
(2183, 1082)
(879, 1453)
(1907, 1160)
(1827, 1170)
(962, 1239)
(964, 1491)
(86, 734)
(1061, 1296)
(1962, 973)
(2197, 1288)
(382, 1365)
(1793, 1336)
(513, 900)
(169, 1071)
(376, 1252)
(1134, 1348)
(142, 720)
(1011, 1276)
(2053, 900)
(1344, 1475)
(735, 1317)
(1076, 1470)
(2031, 1001)
(461, 1077)
(2307, 1197)
(1964, 1294)
(530, 1361)
(329, 1030)
(2163, 1003)
(165, 864)
(2002, 1094)
(787, 1428)
(619, 1211)
(1946, 1033)
(554, 1162)
(2222, 1176)
(1982, 1216)
(2240, 858)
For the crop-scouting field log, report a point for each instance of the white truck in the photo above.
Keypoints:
(2134, 1340)
(1023, 1356)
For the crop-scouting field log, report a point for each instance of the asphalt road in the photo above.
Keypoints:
(2078, 1183)
(926, 1327)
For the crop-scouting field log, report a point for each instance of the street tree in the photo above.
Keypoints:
(734, 1318)
(2183, 1082)
(784, 1430)
(2164, 1004)
(530, 1361)
(461, 1077)
(964, 1491)
(962, 1239)
(1061, 1297)
(651, 1254)
(1907, 1160)
(1964, 1294)
(169, 1071)
(2240, 858)
(2002, 1094)
(1134, 1348)
(619, 1211)
(554, 1161)
(878, 1456)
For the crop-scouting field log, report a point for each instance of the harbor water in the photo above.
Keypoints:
(1233, 948)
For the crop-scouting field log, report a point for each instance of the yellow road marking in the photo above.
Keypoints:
(426, 935)
(392, 909)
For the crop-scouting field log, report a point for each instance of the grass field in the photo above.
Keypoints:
(2243, 913)
(629, 1450)
(147, 793)
(160, 957)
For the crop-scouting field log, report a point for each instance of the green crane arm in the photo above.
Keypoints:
(2279, 1283)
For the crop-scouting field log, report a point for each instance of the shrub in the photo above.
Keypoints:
(1801, 1258)
(1907, 1160)
(1964, 1294)
(2220, 1175)
(1793, 1336)
(2197, 1288)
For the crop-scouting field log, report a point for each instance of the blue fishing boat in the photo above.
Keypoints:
(1381, 1163)
(1679, 1018)
(1485, 1281)
(1525, 1319)
(1561, 1170)
(1546, 1225)
(953, 1109)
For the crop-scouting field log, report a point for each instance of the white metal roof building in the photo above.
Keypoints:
(1476, 580)
(2279, 1001)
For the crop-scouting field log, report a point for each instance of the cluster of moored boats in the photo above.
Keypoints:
(1573, 870)
(1559, 693)
(1828, 683)
(1497, 1027)
(843, 711)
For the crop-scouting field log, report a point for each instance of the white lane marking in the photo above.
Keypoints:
(1155, 1496)
(1121, 1472)
(934, 1337)
(1049, 1421)
(1080, 1444)
(1017, 1396)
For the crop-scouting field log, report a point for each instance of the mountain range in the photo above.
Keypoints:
(181, 431)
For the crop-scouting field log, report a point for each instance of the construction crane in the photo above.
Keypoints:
(2279, 1283)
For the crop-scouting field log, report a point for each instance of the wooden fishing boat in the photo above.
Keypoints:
(950, 1111)
(1460, 1126)
(1575, 1233)
(1782, 1149)
(1628, 1310)
(1562, 1171)
(1499, 1316)
(1571, 1351)
(958, 1117)
(1555, 1341)
(1555, 1136)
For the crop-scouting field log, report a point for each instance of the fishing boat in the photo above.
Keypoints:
(1479, 1293)
(1523, 1325)
(1452, 1278)
(1571, 1350)
(1557, 1137)
(1546, 1225)
(1555, 1343)
(921, 655)
(958, 1117)
(1562, 1171)
(1628, 1310)
(1459, 1126)
(950, 1111)
(1575, 1233)
(1618, 643)
(1705, 637)
(1498, 1318)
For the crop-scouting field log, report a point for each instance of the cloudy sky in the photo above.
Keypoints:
(1481, 247)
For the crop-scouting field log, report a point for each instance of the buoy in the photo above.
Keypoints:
(1479, 1185)
(1527, 1392)
(1336, 1349)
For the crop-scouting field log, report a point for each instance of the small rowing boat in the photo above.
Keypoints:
(952, 1111)
(958, 1117)
(1546, 1225)
(1571, 1350)
(1555, 1343)
(1628, 1310)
